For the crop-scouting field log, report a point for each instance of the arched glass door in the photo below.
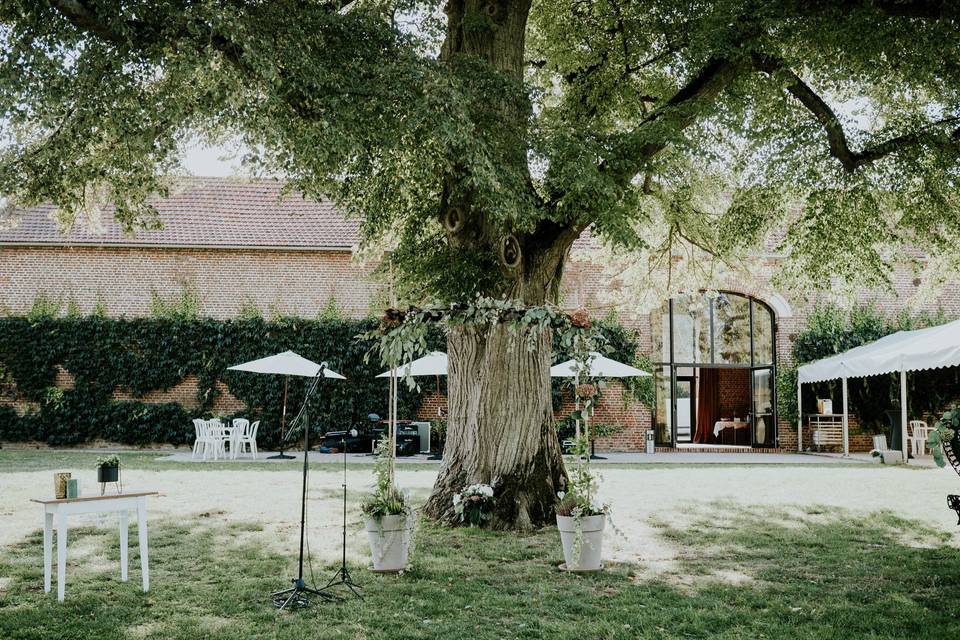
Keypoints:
(714, 373)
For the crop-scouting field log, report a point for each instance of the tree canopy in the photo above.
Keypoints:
(478, 138)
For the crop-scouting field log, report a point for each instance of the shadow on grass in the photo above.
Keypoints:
(813, 574)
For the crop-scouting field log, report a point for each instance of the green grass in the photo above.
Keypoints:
(814, 574)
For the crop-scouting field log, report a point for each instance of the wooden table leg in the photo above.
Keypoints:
(142, 534)
(47, 551)
(61, 554)
(124, 542)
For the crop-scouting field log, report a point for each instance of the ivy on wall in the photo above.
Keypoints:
(143, 355)
(155, 354)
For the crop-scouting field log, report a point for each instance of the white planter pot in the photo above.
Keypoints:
(390, 542)
(591, 542)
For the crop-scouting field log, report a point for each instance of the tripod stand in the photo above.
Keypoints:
(298, 594)
(342, 576)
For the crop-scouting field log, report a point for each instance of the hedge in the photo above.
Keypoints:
(155, 354)
(151, 354)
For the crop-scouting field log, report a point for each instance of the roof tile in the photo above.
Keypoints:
(207, 212)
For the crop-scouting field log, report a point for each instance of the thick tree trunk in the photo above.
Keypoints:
(500, 429)
(500, 424)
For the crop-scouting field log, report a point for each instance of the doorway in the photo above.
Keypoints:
(686, 407)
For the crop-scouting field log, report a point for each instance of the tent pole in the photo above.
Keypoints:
(799, 416)
(846, 422)
(903, 414)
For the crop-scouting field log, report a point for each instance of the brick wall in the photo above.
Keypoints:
(299, 283)
(613, 409)
(734, 391)
(303, 282)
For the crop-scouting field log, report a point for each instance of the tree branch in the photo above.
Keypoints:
(836, 136)
(681, 110)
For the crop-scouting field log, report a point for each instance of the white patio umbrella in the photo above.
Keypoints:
(598, 366)
(286, 364)
(432, 364)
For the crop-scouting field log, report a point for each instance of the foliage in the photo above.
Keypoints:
(145, 355)
(330, 312)
(662, 124)
(473, 504)
(402, 336)
(580, 499)
(385, 499)
(438, 434)
(44, 307)
(831, 330)
(108, 461)
(944, 434)
(186, 306)
(787, 393)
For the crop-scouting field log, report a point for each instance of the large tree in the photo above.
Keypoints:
(478, 139)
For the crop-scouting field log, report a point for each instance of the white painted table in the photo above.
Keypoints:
(55, 512)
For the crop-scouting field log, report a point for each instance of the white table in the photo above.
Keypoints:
(722, 425)
(56, 512)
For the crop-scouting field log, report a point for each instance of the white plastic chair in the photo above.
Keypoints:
(919, 432)
(215, 439)
(241, 428)
(249, 439)
(198, 439)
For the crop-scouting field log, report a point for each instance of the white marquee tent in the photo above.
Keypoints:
(901, 352)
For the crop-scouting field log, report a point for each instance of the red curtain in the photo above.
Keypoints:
(708, 405)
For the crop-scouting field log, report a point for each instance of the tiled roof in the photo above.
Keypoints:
(206, 212)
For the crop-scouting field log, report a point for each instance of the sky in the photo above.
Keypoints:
(203, 160)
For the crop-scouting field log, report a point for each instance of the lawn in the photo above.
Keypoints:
(827, 576)
(784, 558)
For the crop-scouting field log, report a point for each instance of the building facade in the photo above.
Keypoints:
(232, 247)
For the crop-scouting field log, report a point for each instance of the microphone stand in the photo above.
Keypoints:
(299, 592)
(342, 576)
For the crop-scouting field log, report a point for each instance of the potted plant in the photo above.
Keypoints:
(390, 520)
(581, 519)
(108, 470)
(473, 504)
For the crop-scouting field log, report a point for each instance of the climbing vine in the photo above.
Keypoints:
(135, 357)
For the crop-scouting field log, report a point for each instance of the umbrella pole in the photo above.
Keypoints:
(393, 428)
(283, 424)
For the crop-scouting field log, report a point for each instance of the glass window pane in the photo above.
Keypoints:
(763, 426)
(663, 420)
(691, 329)
(660, 327)
(762, 334)
(731, 321)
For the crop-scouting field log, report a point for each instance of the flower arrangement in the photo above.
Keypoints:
(108, 461)
(386, 499)
(472, 504)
